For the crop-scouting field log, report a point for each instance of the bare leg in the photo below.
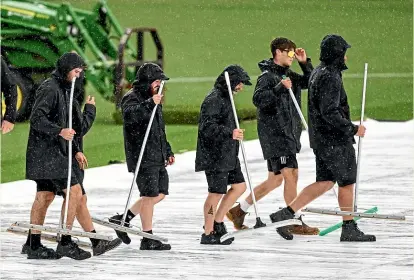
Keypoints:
(346, 199)
(147, 210)
(273, 181)
(228, 200)
(291, 184)
(40, 205)
(75, 197)
(83, 216)
(210, 207)
(136, 208)
(310, 193)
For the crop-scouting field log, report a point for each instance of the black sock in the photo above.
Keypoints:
(35, 241)
(28, 238)
(290, 210)
(129, 216)
(347, 222)
(65, 240)
(148, 231)
(94, 241)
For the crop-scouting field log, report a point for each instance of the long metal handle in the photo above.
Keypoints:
(298, 109)
(360, 139)
(68, 185)
(226, 75)
(141, 153)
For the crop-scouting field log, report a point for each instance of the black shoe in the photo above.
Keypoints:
(213, 239)
(72, 250)
(210, 239)
(220, 230)
(279, 216)
(25, 249)
(151, 244)
(42, 253)
(351, 232)
(122, 235)
(105, 246)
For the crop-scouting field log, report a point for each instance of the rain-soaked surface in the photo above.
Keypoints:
(386, 181)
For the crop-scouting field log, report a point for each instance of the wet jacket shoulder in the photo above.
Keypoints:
(137, 107)
(216, 149)
(9, 90)
(279, 124)
(329, 116)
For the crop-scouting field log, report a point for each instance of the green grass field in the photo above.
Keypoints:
(202, 37)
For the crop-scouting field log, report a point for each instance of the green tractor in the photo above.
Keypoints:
(34, 34)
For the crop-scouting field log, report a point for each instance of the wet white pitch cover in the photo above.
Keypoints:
(386, 181)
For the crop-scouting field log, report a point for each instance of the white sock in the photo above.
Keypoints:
(298, 214)
(244, 206)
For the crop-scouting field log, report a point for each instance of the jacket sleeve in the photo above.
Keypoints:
(75, 146)
(329, 106)
(303, 80)
(266, 94)
(134, 111)
(170, 153)
(169, 150)
(88, 117)
(45, 102)
(9, 89)
(210, 125)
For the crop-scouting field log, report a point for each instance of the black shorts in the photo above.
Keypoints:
(278, 163)
(218, 181)
(152, 181)
(56, 186)
(336, 164)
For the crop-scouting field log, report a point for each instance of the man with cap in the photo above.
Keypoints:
(47, 161)
(152, 180)
(9, 91)
(331, 135)
(217, 153)
(279, 126)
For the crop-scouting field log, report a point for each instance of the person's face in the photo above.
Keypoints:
(74, 73)
(239, 87)
(155, 86)
(285, 57)
(345, 58)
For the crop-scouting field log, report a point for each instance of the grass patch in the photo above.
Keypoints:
(202, 37)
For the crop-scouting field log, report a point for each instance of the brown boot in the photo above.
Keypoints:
(303, 229)
(236, 215)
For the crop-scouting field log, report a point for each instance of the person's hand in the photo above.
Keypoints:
(171, 160)
(361, 131)
(90, 100)
(157, 98)
(287, 83)
(67, 133)
(81, 159)
(238, 134)
(300, 55)
(6, 127)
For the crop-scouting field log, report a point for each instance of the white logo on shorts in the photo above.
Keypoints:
(283, 160)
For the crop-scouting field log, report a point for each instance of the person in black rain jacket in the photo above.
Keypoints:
(217, 153)
(331, 135)
(47, 160)
(152, 180)
(279, 126)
